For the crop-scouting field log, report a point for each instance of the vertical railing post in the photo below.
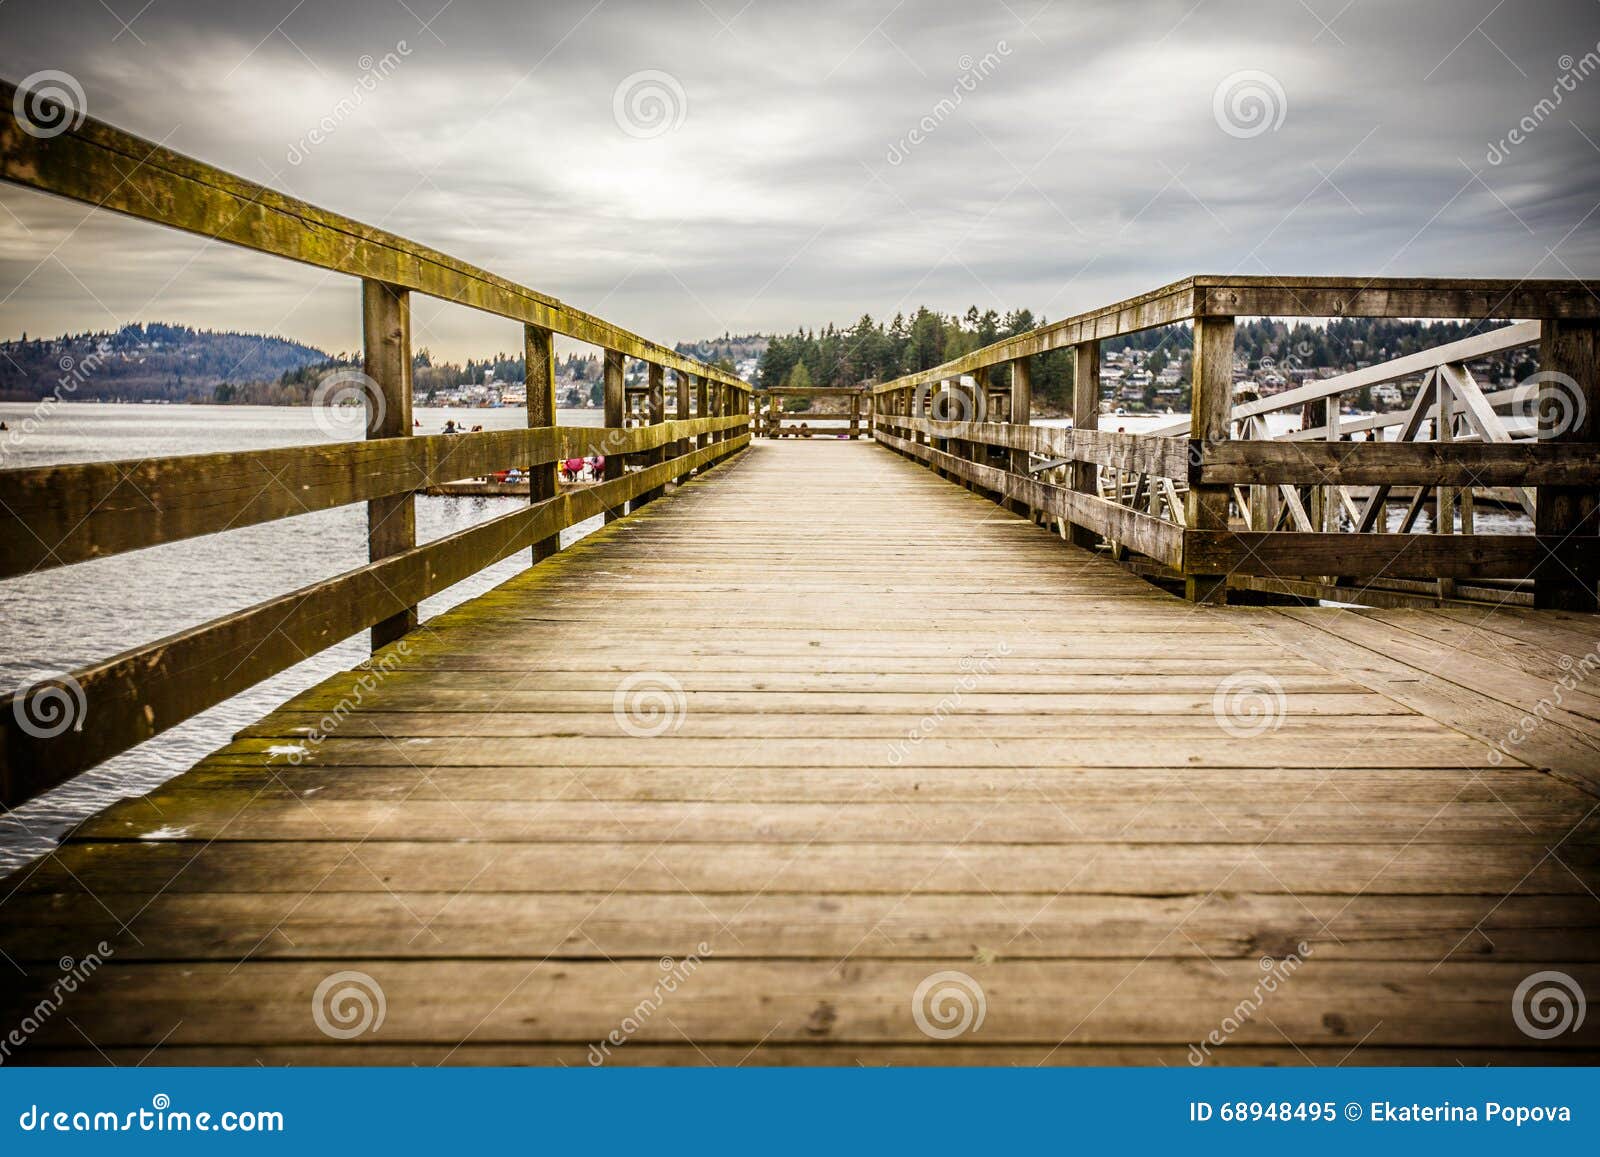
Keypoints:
(1021, 415)
(1210, 419)
(855, 416)
(615, 415)
(1085, 416)
(702, 408)
(774, 415)
(681, 413)
(1444, 506)
(655, 404)
(386, 360)
(1569, 411)
(539, 361)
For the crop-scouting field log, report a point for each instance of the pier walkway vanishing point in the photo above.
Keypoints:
(838, 750)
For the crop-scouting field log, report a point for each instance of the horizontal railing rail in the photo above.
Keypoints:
(1222, 500)
(53, 516)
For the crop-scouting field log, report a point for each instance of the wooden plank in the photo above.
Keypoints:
(96, 164)
(752, 925)
(1282, 553)
(1326, 1002)
(1400, 463)
(386, 394)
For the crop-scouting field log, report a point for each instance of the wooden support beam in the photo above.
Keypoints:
(615, 399)
(655, 414)
(1085, 416)
(685, 385)
(539, 358)
(1569, 411)
(1209, 422)
(1021, 415)
(386, 346)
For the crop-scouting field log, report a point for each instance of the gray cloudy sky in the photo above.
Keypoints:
(1091, 155)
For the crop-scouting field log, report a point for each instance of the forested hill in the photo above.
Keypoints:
(172, 362)
(871, 350)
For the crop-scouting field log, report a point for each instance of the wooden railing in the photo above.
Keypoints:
(1302, 526)
(59, 515)
(773, 422)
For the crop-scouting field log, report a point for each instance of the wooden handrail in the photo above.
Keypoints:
(56, 515)
(1189, 485)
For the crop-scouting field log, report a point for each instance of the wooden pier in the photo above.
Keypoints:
(837, 751)
(928, 736)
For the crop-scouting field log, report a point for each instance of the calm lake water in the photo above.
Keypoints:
(64, 618)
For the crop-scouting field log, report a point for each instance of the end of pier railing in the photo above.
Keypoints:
(1222, 505)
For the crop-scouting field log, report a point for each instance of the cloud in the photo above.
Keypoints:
(1084, 165)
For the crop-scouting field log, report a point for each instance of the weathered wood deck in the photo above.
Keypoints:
(1074, 827)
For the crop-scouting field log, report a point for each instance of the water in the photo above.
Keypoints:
(64, 618)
